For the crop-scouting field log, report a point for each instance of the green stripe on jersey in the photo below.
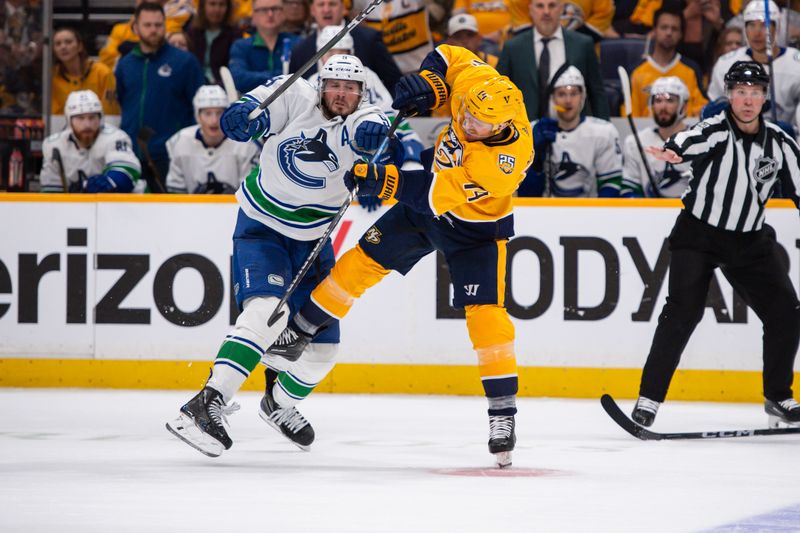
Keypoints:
(240, 354)
(294, 388)
(303, 215)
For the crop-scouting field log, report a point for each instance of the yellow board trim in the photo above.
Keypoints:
(623, 383)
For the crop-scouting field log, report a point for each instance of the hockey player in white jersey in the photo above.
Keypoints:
(785, 63)
(668, 101)
(88, 155)
(377, 95)
(576, 156)
(312, 136)
(201, 159)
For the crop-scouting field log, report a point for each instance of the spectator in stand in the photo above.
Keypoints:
(463, 31)
(93, 157)
(703, 22)
(267, 52)
(405, 27)
(493, 18)
(786, 64)
(633, 19)
(666, 61)
(211, 36)
(74, 71)
(179, 40)
(242, 13)
(551, 46)
(729, 40)
(123, 38)
(201, 159)
(298, 20)
(590, 17)
(155, 85)
(368, 44)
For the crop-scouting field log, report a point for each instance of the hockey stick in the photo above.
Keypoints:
(626, 94)
(142, 138)
(228, 84)
(311, 62)
(774, 106)
(642, 433)
(277, 313)
(60, 163)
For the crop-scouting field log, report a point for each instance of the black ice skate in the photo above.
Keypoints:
(288, 421)
(644, 413)
(502, 439)
(291, 343)
(200, 424)
(786, 411)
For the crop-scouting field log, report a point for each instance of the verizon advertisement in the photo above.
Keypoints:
(151, 280)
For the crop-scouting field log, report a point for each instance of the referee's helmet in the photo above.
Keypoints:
(746, 72)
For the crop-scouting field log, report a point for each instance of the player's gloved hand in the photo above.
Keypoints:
(235, 124)
(370, 203)
(373, 180)
(714, 108)
(412, 150)
(419, 93)
(111, 181)
(369, 135)
(544, 132)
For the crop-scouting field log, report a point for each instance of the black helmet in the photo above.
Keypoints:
(748, 72)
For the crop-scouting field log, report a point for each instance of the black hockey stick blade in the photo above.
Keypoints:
(642, 433)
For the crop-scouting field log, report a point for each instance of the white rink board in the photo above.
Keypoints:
(394, 322)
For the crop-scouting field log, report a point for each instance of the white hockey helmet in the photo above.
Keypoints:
(327, 33)
(671, 85)
(81, 103)
(343, 67)
(209, 96)
(570, 77)
(754, 10)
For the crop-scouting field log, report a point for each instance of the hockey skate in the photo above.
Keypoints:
(502, 439)
(291, 343)
(288, 421)
(786, 411)
(200, 424)
(644, 413)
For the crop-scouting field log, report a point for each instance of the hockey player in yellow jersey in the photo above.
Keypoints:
(460, 204)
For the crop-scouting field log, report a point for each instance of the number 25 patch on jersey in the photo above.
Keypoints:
(505, 163)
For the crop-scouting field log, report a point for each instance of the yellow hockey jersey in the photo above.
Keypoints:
(648, 71)
(97, 77)
(474, 181)
(491, 15)
(405, 28)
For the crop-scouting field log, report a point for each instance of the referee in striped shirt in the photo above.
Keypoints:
(737, 159)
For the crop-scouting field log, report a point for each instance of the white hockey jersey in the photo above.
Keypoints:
(786, 80)
(112, 148)
(191, 162)
(583, 160)
(670, 179)
(298, 186)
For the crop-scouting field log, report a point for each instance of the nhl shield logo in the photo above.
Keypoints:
(505, 163)
(764, 169)
(373, 235)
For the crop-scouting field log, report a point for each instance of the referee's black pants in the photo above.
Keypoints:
(755, 268)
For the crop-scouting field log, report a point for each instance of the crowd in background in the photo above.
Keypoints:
(152, 65)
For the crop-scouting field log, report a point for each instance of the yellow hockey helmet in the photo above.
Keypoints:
(494, 101)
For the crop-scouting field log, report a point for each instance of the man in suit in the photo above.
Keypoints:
(551, 46)
(369, 47)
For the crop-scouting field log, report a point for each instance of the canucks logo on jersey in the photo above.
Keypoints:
(306, 161)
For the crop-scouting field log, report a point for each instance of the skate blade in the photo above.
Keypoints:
(265, 417)
(503, 459)
(775, 422)
(185, 429)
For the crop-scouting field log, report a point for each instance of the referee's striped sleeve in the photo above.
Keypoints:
(700, 139)
(789, 173)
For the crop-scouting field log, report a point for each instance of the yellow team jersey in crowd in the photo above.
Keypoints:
(97, 78)
(648, 71)
(595, 13)
(474, 181)
(405, 29)
(491, 15)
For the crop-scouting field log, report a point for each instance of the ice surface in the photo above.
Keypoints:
(101, 461)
